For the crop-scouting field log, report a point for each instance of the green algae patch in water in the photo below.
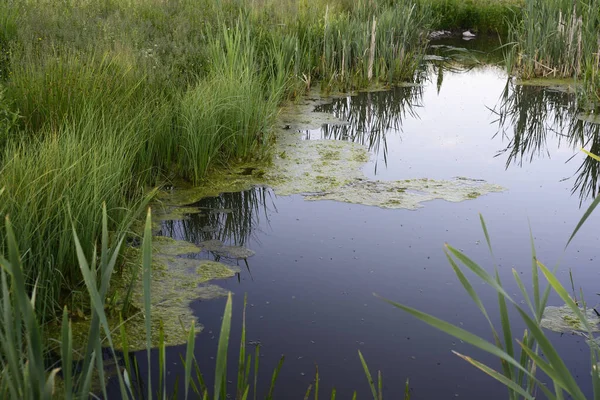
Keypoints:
(176, 281)
(565, 85)
(220, 249)
(315, 166)
(407, 194)
(166, 246)
(209, 270)
(240, 177)
(563, 320)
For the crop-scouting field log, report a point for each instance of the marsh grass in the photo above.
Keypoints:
(100, 101)
(565, 45)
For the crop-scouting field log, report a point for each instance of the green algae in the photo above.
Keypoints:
(176, 281)
(235, 252)
(329, 170)
(562, 319)
(163, 245)
(565, 85)
(209, 270)
(220, 249)
(407, 194)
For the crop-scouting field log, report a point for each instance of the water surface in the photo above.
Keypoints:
(310, 285)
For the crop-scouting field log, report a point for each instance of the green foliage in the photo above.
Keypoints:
(101, 100)
(483, 16)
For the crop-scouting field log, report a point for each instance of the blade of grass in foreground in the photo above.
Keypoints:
(189, 356)
(147, 267)
(274, 377)
(368, 375)
(221, 366)
(590, 209)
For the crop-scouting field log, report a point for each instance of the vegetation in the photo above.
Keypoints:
(564, 45)
(482, 16)
(100, 101)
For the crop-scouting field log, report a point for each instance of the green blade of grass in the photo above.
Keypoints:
(563, 376)
(146, 278)
(189, 356)
(66, 347)
(241, 378)
(461, 334)
(221, 365)
(534, 277)
(274, 377)
(564, 295)
(586, 215)
(496, 375)
(308, 391)
(368, 375)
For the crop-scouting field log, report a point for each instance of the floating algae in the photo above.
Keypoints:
(167, 246)
(564, 320)
(218, 248)
(565, 85)
(236, 252)
(408, 194)
(176, 281)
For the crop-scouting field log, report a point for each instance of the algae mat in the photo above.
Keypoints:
(177, 279)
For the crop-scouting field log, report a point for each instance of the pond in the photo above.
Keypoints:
(317, 264)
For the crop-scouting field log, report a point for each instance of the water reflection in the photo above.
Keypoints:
(529, 117)
(231, 218)
(371, 116)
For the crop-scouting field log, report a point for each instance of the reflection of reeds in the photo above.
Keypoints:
(229, 217)
(371, 115)
(527, 115)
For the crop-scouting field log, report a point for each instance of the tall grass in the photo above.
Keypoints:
(566, 44)
(102, 100)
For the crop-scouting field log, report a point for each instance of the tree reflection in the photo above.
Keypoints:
(232, 218)
(371, 115)
(528, 116)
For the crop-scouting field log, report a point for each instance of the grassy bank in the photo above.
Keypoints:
(565, 45)
(101, 101)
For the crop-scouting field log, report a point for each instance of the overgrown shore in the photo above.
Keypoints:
(103, 102)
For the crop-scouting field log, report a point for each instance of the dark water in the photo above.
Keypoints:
(310, 285)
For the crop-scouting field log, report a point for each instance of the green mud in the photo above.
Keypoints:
(564, 320)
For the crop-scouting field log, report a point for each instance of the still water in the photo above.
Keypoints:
(310, 285)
